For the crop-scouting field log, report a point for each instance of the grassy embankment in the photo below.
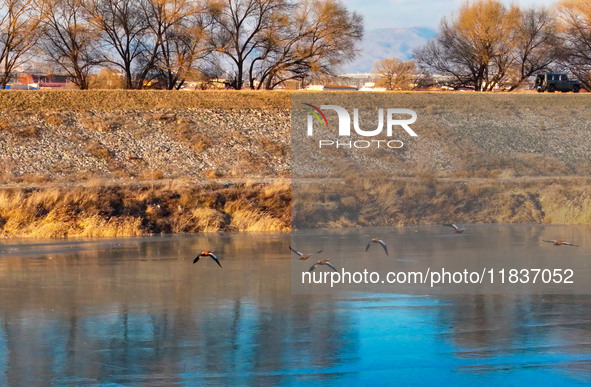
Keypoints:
(126, 192)
(428, 200)
(120, 191)
(479, 158)
(142, 209)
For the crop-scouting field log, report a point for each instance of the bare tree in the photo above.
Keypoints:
(575, 20)
(180, 37)
(395, 74)
(237, 24)
(534, 44)
(489, 45)
(126, 37)
(314, 37)
(183, 46)
(266, 42)
(69, 39)
(473, 48)
(19, 32)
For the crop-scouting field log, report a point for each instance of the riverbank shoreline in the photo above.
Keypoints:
(183, 206)
(138, 210)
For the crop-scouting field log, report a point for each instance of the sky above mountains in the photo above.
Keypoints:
(395, 28)
(415, 13)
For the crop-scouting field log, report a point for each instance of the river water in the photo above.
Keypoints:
(136, 311)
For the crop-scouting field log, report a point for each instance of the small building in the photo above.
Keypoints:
(45, 81)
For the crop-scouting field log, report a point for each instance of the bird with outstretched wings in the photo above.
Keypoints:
(323, 262)
(377, 240)
(207, 253)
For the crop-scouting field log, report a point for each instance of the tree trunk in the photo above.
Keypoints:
(239, 75)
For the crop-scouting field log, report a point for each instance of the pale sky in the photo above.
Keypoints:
(414, 13)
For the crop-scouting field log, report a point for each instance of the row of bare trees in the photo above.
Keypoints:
(259, 43)
(487, 45)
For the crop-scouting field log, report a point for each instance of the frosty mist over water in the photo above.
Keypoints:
(137, 311)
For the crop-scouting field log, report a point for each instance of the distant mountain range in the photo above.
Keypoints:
(387, 43)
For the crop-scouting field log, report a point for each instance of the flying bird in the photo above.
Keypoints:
(322, 262)
(304, 256)
(459, 230)
(377, 240)
(560, 243)
(207, 253)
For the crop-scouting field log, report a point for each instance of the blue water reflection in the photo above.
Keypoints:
(137, 312)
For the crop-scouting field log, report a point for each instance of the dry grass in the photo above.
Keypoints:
(179, 207)
(30, 178)
(273, 148)
(98, 150)
(97, 100)
(385, 203)
(213, 173)
(186, 132)
(131, 211)
(152, 175)
(54, 118)
(567, 205)
(23, 130)
(102, 123)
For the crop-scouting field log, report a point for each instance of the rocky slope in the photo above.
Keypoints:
(163, 143)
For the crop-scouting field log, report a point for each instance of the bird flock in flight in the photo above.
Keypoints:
(326, 262)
